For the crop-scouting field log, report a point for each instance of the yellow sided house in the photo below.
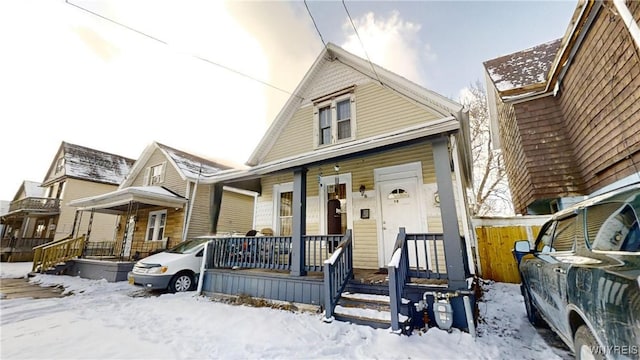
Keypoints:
(161, 202)
(42, 215)
(362, 180)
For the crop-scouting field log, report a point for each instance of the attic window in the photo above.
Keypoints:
(334, 120)
(60, 165)
(154, 175)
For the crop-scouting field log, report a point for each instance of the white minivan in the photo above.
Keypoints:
(176, 269)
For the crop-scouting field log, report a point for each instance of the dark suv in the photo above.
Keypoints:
(583, 275)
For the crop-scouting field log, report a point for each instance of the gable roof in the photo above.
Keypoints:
(84, 163)
(31, 189)
(559, 52)
(410, 90)
(524, 70)
(188, 166)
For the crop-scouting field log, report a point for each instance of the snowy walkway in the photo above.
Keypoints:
(102, 320)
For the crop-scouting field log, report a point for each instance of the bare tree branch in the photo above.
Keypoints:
(490, 190)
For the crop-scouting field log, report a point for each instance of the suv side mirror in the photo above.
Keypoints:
(520, 249)
(522, 246)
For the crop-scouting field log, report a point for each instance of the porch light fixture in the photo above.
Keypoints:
(362, 190)
(336, 167)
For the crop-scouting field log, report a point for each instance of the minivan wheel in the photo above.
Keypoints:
(532, 313)
(585, 345)
(181, 282)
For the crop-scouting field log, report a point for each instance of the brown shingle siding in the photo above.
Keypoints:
(599, 100)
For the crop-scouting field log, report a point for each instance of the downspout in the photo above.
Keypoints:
(464, 211)
(628, 20)
(185, 230)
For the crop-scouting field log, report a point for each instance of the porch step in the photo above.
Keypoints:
(57, 269)
(365, 309)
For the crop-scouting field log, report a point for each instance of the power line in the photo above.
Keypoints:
(314, 24)
(117, 23)
(193, 55)
(361, 43)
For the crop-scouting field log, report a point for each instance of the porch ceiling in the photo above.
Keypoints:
(118, 201)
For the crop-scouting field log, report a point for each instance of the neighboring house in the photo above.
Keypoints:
(355, 150)
(163, 201)
(41, 211)
(567, 112)
(27, 221)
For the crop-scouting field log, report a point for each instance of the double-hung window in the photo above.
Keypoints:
(335, 120)
(156, 224)
(155, 174)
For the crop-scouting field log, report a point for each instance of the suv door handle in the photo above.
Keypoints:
(560, 270)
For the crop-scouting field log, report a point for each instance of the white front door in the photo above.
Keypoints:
(400, 208)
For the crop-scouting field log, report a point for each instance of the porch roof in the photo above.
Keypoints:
(117, 202)
(432, 128)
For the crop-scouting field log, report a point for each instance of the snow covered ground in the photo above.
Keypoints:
(102, 320)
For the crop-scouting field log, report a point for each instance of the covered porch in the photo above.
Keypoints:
(30, 222)
(133, 205)
(317, 269)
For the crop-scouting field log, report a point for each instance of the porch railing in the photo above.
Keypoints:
(338, 269)
(261, 252)
(271, 252)
(35, 203)
(48, 255)
(414, 255)
(24, 244)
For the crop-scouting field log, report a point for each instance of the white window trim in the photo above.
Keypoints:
(332, 103)
(277, 190)
(330, 180)
(148, 179)
(156, 226)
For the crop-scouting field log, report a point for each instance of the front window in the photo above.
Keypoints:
(285, 215)
(40, 227)
(156, 225)
(325, 125)
(335, 120)
(60, 165)
(157, 174)
(343, 119)
(60, 192)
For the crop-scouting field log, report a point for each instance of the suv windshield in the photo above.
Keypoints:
(187, 247)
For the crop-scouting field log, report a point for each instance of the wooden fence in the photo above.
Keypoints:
(495, 238)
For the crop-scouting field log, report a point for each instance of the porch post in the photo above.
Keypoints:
(299, 221)
(452, 245)
(216, 201)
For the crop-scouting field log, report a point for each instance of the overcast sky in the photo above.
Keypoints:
(68, 75)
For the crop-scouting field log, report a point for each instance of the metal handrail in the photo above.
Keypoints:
(338, 270)
(398, 270)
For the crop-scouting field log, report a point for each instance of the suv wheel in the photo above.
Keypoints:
(585, 345)
(181, 282)
(532, 312)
